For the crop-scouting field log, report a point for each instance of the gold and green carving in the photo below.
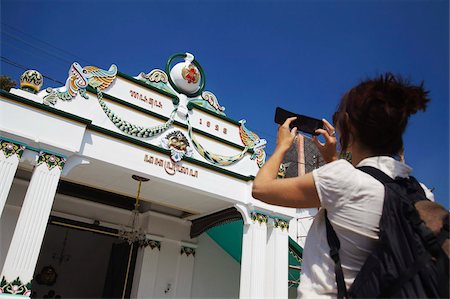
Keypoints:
(280, 223)
(151, 243)
(258, 217)
(10, 148)
(187, 250)
(15, 287)
(51, 160)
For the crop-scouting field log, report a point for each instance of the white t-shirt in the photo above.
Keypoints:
(354, 202)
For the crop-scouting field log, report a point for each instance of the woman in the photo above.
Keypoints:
(370, 122)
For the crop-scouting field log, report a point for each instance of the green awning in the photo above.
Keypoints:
(229, 237)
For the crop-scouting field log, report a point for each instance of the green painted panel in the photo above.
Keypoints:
(229, 237)
(294, 274)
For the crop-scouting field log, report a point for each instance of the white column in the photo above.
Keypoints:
(23, 252)
(10, 154)
(253, 260)
(277, 259)
(270, 261)
(185, 272)
(144, 280)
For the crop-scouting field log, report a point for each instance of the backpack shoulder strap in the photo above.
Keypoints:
(377, 174)
(411, 185)
(335, 245)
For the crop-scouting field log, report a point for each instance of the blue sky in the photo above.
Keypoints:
(257, 55)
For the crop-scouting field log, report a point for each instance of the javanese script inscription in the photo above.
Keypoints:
(146, 99)
(170, 167)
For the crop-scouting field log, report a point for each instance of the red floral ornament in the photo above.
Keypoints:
(190, 74)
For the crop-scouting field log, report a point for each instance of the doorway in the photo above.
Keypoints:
(80, 260)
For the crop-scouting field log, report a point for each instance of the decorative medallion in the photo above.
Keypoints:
(187, 250)
(178, 145)
(51, 160)
(10, 148)
(252, 141)
(15, 287)
(210, 102)
(31, 81)
(185, 77)
(191, 74)
(78, 80)
(150, 243)
(280, 223)
(258, 217)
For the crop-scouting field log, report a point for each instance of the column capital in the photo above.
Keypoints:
(187, 250)
(151, 243)
(51, 160)
(251, 216)
(259, 217)
(280, 223)
(15, 287)
(10, 148)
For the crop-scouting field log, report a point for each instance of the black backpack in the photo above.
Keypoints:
(408, 260)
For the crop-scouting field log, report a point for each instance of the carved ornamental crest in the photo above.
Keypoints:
(178, 144)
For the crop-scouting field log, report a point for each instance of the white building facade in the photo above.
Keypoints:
(77, 160)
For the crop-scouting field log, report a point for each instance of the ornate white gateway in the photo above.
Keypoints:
(180, 92)
(104, 126)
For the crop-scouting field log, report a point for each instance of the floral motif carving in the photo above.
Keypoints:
(187, 250)
(191, 74)
(208, 101)
(51, 160)
(155, 75)
(15, 287)
(258, 217)
(150, 243)
(280, 223)
(156, 78)
(11, 148)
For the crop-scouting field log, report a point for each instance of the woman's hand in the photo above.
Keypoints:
(298, 192)
(286, 136)
(327, 149)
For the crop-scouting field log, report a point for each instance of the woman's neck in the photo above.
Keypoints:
(360, 152)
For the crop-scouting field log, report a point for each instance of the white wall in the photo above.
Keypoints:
(216, 274)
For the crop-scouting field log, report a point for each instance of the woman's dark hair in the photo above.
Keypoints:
(378, 111)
